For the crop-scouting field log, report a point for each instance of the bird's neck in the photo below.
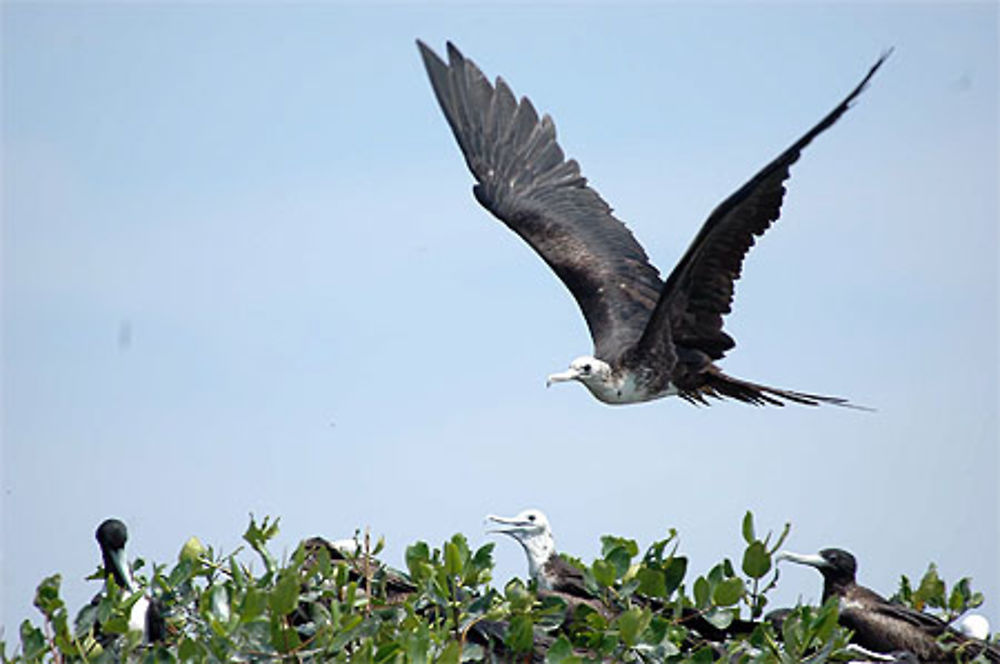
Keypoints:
(539, 550)
(837, 588)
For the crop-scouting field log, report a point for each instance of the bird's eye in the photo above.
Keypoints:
(531, 517)
(586, 368)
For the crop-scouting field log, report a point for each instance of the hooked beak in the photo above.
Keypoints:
(813, 560)
(504, 524)
(121, 571)
(570, 374)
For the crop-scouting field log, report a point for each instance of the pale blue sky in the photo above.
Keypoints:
(243, 272)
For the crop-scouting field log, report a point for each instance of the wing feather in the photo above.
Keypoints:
(699, 290)
(525, 180)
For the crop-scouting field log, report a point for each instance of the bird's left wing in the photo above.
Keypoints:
(525, 181)
(699, 291)
(570, 578)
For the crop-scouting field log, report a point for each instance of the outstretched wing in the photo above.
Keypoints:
(526, 182)
(699, 291)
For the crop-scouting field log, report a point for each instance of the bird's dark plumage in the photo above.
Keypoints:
(885, 627)
(662, 336)
(147, 612)
(111, 537)
(525, 180)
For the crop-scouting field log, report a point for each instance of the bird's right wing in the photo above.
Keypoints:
(526, 182)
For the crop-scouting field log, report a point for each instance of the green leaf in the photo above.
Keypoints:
(418, 643)
(748, 530)
(756, 560)
(456, 553)
(703, 656)
(827, 619)
(32, 641)
(727, 592)
(931, 590)
(47, 596)
(727, 567)
(518, 596)
(520, 634)
(253, 604)
(192, 550)
(418, 561)
(552, 612)
(561, 652)
(721, 618)
(452, 560)
(701, 592)
(218, 603)
(479, 567)
(674, 573)
(450, 653)
(609, 543)
(631, 624)
(285, 596)
(604, 573)
(258, 536)
(189, 649)
(652, 582)
(621, 560)
(283, 638)
(905, 593)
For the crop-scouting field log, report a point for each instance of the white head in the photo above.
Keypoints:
(531, 529)
(586, 369)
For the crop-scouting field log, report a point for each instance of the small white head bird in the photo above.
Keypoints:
(531, 529)
(550, 572)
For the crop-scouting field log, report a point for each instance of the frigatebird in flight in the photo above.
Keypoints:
(652, 338)
(883, 626)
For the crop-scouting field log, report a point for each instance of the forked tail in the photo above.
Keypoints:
(721, 386)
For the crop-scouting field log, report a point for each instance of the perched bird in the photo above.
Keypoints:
(388, 587)
(385, 582)
(147, 613)
(884, 627)
(547, 569)
(652, 338)
(553, 575)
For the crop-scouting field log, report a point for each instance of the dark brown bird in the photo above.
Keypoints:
(146, 615)
(652, 338)
(884, 627)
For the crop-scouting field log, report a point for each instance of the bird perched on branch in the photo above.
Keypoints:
(885, 627)
(652, 338)
(550, 571)
(553, 575)
(146, 615)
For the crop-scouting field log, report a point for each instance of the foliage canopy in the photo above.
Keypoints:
(340, 604)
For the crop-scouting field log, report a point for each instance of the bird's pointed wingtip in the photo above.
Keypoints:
(426, 52)
(453, 52)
